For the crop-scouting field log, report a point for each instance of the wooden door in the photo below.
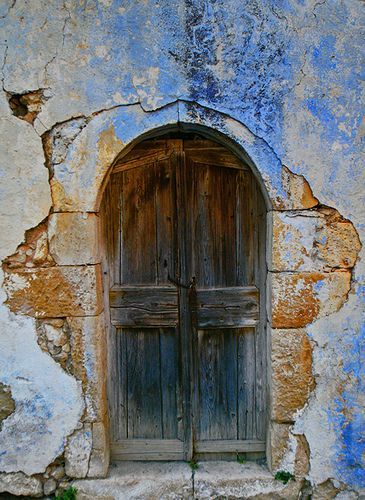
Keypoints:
(184, 225)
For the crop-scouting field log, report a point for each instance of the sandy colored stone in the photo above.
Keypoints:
(49, 486)
(299, 193)
(312, 240)
(20, 484)
(302, 456)
(76, 185)
(77, 452)
(58, 472)
(55, 291)
(89, 362)
(325, 491)
(99, 463)
(300, 298)
(73, 238)
(7, 403)
(279, 436)
(292, 378)
(337, 241)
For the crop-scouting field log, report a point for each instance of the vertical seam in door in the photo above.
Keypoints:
(161, 398)
(237, 388)
(156, 229)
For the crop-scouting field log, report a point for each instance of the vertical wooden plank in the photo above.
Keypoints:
(217, 385)
(260, 331)
(183, 274)
(212, 211)
(139, 226)
(166, 237)
(143, 379)
(169, 381)
(246, 384)
(114, 223)
(121, 429)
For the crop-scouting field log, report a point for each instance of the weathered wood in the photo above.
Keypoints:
(147, 449)
(236, 307)
(185, 324)
(217, 385)
(231, 446)
(182, 208)
(147, 307)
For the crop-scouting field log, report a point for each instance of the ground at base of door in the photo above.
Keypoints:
(176, 480)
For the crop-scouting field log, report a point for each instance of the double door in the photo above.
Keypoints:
(184, 224)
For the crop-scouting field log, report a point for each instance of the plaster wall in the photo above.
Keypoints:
(284, 81)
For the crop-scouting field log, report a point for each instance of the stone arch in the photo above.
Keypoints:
(312, 250)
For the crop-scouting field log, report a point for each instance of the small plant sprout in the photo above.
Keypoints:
(284, 476)
(69, 494)
(193, 465)
(240, 459)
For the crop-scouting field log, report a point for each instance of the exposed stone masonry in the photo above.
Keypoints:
(55, 277)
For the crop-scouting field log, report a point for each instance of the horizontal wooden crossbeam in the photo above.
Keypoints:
(157, 306)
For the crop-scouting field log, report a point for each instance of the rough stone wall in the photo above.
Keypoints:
(82, 79)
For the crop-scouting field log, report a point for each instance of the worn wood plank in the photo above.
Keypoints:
(138, 213)
(217, 385)
(166, 217)
(169, 380)
(230, 446)
(147, 307)
(262, 361)
(143, 384)
(227, 307)
(247, 383)
(147, 449)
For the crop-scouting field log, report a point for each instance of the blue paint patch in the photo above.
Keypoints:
(317, 287)
(347, 415)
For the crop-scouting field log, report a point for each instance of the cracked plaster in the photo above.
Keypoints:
(289, 72)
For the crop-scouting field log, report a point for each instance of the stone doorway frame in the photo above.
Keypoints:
(307, 277)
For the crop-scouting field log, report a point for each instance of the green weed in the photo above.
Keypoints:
(69, 494)
(193, 465)
(284, 476)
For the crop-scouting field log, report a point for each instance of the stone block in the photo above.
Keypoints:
(140, 480)
(20, 484)
(299, 193)
(300, 298)
(55, 291)
(73, 238)
(88, 355)
(291, 374)
(7, 403)
(99, 463)
(49, 486)
(77, 452)
(217, 480)
(279, 437)
(312, 240)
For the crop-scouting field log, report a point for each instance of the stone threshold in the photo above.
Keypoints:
(176, 480)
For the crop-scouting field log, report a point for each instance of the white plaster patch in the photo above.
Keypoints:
(47, 408)
(77, 452)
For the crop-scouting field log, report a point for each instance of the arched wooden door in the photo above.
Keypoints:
(185, 229)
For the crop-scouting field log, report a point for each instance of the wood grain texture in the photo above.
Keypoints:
(229, 446)
(191, 367)
(148, 307)
(144, 449)
(227, 307)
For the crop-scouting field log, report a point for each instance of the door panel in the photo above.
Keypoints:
(216, 404)
(188, 352)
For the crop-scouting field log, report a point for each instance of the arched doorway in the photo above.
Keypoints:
(184, 226)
